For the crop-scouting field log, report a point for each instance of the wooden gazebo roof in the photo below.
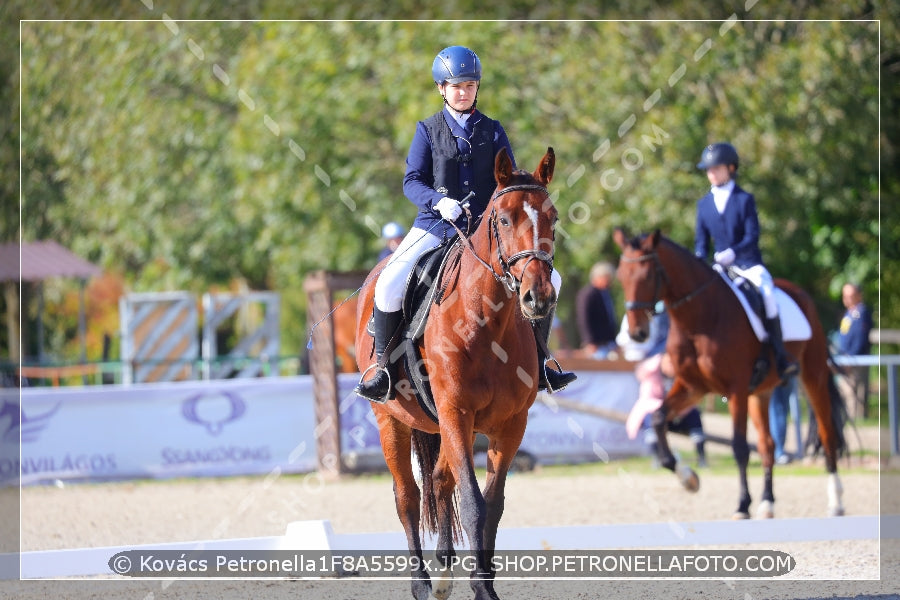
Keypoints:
(41, 260)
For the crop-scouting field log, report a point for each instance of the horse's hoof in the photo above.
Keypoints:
(687, 477)
(442, 585)
(421, 585)
(485, 592)
(740, 516)
(836, 511)
(766, 510)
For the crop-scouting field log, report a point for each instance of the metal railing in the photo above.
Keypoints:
(891, 363)
(107, 372)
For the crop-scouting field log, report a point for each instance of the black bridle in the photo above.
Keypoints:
(512, 282)
(506, 277)
(659, 278)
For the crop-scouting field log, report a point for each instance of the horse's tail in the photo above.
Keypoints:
(427, 446)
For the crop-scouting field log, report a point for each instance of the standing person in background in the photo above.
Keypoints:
(392, 234)
(726, 215)
(853, 340)
(451, 155)
(595, 312)
(783, 402)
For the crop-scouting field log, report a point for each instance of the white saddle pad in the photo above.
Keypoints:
(794, 325)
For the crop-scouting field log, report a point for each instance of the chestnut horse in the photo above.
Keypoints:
(482, 362)
(713, 350)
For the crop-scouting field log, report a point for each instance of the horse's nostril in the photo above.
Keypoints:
(528, 299)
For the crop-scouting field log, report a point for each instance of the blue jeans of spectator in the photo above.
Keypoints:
(779, 406)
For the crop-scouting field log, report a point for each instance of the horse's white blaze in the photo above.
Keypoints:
(533, 215)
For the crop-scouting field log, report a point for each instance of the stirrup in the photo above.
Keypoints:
(567, 378)
(377, 399)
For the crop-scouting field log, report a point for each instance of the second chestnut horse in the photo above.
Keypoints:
(713, 349)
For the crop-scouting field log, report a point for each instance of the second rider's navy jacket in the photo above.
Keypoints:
(737, 228)
(446, 159)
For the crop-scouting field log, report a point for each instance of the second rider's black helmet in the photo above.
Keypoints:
(721, 153)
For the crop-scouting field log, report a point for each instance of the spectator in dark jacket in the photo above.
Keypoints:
(595, 312)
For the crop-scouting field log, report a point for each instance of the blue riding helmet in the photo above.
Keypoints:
(721, 153)
(456, 64)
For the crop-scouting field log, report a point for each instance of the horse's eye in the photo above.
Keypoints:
(504, 221)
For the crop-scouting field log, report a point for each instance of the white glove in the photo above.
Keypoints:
(449, 208)
(725, 257)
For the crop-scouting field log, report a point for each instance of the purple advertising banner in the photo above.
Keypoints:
(226, 427)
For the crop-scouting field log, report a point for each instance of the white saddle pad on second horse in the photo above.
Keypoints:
(794, 325)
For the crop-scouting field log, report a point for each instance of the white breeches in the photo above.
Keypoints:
(392, 280)
(759, 276)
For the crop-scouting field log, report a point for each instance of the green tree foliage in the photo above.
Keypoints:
(186, 154)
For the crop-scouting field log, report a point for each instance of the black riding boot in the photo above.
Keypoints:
(550, 379)
(783, 362)
(380, 388)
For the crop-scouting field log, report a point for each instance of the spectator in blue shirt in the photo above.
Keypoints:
(853, 340)
(452, 154)
(783, 402)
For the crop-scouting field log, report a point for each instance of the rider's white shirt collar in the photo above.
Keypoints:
(459, 117)
(721, 193)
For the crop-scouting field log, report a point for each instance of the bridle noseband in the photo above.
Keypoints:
(659, 275)
(506, 278)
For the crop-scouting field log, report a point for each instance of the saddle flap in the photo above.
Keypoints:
(428, 283)
(420, 280)
(751, 293)
(794, 324)
(434, 272)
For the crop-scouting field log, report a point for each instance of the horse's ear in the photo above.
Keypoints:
(544, 171)
(654, 238)
(502, 167)
(620, 238)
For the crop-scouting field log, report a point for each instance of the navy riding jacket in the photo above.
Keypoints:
(446, 159)
(737, 228)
